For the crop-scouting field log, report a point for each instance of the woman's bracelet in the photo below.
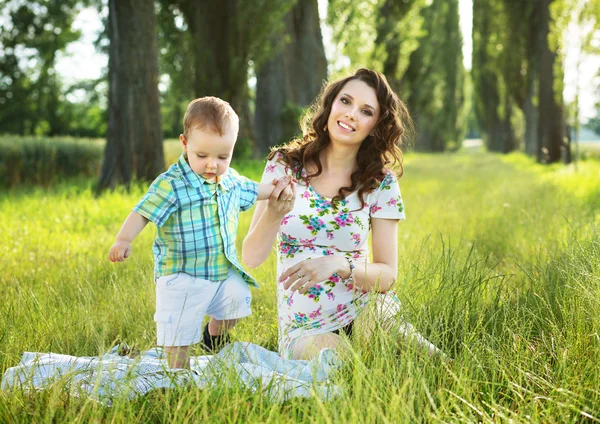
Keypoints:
(350, 278)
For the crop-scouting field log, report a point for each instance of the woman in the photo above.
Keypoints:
(345, 188)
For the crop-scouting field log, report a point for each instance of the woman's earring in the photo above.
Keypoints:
(325, 128)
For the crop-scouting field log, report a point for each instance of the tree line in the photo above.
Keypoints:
(267, 58)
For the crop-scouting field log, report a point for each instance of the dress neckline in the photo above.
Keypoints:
(314, 191)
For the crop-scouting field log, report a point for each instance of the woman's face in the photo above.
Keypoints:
(354, 113)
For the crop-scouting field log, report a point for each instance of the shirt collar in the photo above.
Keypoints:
(196, 181)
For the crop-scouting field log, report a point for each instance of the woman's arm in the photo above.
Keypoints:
(378, 275)
(381, 274)
(265, 223)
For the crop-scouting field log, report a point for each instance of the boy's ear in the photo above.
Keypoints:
(183, 142)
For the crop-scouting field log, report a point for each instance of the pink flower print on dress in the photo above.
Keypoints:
(313, 223)
(320, 204)
(343, 219)
(270, 168)
(355, 238)
(288, 250)
(316, 313)
(300, 318)
(315, 292)
(330, 295)
(305, 195)
(386, 184)
(328, 252)
(288, 246)
(329, 234)
(374, 208)
(308, 243)
(286, 219)
(391, 202)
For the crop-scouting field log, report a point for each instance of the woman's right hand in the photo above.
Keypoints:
(281, 201)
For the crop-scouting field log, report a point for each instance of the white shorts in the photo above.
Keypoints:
(182, 301)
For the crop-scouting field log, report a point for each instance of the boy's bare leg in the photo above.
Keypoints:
(217, 327)
(178, 356)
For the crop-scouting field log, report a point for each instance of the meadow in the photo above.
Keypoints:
(499, 267)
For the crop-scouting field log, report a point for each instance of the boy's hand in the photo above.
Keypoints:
(285, 179)
(277, 185)
(119, 251)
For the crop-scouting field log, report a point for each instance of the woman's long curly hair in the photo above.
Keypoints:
(377, 152)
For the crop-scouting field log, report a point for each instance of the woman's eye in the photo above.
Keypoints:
(368, 112)
(345, 100)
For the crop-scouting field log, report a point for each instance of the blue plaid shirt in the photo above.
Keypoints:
(197, 221)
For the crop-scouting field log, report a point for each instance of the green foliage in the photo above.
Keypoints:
(417, 44)
(508, 289)
(43, 161)
(32, 33)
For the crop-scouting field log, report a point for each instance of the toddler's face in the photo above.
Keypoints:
(209, 154)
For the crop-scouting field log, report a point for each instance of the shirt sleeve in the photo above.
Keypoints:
(248, 193)
(274, 169)
(386, 200)
(158, 203)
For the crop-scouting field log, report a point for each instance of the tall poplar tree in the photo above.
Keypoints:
(134, 147)
(418, 46)
(227, 36)
(290, 79)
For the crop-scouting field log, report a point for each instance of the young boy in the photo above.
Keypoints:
(195, 205)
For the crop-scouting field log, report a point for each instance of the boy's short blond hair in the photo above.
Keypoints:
(209, 113)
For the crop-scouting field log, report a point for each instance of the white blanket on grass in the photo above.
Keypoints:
(109, 376)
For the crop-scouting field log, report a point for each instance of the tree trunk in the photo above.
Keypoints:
(134, 146)
(221, 54)
(530, 110)
(531, 119)
(292, 78)
(550, 125)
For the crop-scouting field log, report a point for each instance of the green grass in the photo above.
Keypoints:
(499, 266)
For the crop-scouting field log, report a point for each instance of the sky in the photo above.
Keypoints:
(82, 61)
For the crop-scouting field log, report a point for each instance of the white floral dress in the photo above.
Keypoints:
(315, 228)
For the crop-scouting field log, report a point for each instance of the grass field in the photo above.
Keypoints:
(499, 267)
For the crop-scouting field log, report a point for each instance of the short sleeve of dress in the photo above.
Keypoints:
(386, 202)
(274, 169)
(158, 203)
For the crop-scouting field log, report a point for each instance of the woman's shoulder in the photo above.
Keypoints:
(384, 181)
(285, 158)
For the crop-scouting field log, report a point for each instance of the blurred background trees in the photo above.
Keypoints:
(267, 58)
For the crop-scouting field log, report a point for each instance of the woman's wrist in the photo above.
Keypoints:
(346, 269)
(274, 216)
(349, 268)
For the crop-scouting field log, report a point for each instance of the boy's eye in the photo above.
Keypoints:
(201, 156)
(223, 157)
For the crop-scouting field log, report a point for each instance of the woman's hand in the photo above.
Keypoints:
(281, 201)
(304, 275)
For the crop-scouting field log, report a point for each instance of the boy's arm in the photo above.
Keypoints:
(132, 226)
(265, 190)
